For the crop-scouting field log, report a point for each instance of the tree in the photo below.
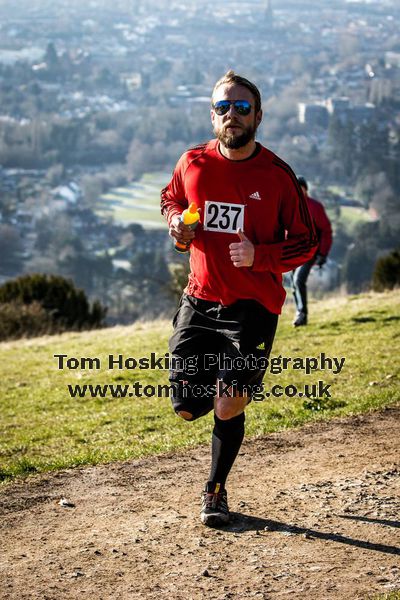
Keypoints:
(372, 148)
(179, 278)
(10, 248)
(342, 141)
(65, 305)
(55, 175)
(140, 159)
(387, 272)
(51, 57)
(360, 259)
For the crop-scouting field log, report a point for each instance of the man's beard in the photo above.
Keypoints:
(234, 140)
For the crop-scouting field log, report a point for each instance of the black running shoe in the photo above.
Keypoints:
(301, 319)
(214, 506)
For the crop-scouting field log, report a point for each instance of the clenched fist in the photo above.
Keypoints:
(180, 232)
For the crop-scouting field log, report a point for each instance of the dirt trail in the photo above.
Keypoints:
(316, 516)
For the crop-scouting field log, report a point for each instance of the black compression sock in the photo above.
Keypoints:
(226, 441)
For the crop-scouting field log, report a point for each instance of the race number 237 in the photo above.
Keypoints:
(223, 217)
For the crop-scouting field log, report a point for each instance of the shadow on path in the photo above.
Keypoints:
(241, 523)
(368, 520)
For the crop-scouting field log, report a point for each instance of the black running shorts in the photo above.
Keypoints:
(213, 343)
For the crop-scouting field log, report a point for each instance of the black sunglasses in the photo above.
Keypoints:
(242, 107)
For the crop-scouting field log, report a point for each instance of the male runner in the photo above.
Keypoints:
(254, 225)
(300, 275)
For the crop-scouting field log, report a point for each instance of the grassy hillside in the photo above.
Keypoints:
(43, 428)
(138, 202)
(350, 217)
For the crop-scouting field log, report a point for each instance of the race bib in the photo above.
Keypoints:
(223, 217)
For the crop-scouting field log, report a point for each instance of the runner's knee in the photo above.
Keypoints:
(224, 414)
(187, 405)
(185, 415)
(225, 410)
(191, 409)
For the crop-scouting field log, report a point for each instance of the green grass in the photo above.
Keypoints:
(350, 216)
(354, 214)
(138, 202)
(42, 428)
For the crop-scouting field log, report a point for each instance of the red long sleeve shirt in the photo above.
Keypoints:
(322, 226)
(261, 195)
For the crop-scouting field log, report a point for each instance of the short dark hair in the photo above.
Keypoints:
(232, 78)
(302, 182)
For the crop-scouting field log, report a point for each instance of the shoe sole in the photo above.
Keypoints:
(214, 520)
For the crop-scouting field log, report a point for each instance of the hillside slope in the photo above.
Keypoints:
(315, 506)
(44, 428)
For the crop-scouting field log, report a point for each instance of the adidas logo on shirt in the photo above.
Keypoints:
(255, 196)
